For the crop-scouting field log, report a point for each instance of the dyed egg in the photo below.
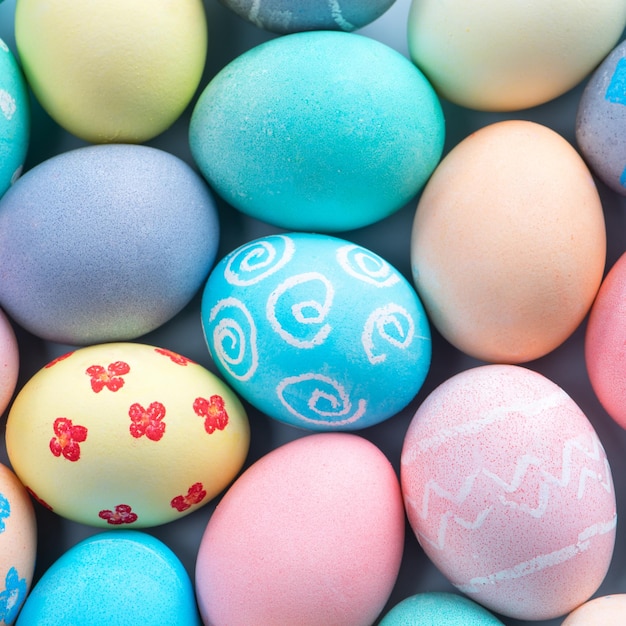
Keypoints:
(115, 71)
(9, 362)
(604, 610)
(105, 243)
(14, 119)
(118, 434)
(495, 56)
(18, 545)
(509, 492)
(122, 577)
(296, 133)
(601, 121)
(438, 609)
(509, 242)
(301, 324)
(290, 16)
(312, 533)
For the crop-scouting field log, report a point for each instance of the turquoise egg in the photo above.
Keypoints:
(115, 577)
(318, 131)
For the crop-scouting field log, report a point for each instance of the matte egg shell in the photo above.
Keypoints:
(113, 71)
(18, 545)
(300, 325)
(9, 362)
(104, 243)
(438, 609)
(312, 533)
(290, 16)
(601, 121)
(14, 118)
(508, 490)
(296, 131)
(117, 434)
(502, 56)
(603, 611)
(509, 242)
(121, 577)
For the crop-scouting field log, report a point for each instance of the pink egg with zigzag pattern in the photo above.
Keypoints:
(509, 491)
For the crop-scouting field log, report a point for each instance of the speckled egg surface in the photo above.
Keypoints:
(298, 133)
(509, 492)
(104, 243)
(9, 361)
(509, 242)
(126, 434)
(312, 533)
(601, 611)
(497, 56)
(122, 577)
(301, 324)
(14, 118)
(112, 71)
(18, 545)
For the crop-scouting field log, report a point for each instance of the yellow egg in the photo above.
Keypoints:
(509, 242)
(604, 611)
(126, 435)
(114, 71)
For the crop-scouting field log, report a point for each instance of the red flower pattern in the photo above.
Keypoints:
(195, 494)
(148, 422)
(179, 359)
(123, 514)
(111, 377)
(38, 499)
(213, 411)
(67, 440)
(59, 358)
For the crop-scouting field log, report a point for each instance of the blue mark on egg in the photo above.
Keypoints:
(12, 597)
(5, 511)
(616, 91)
(622, 178)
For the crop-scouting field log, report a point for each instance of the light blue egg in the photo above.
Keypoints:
(117, 577)
(14, 118)
(316, 331)
(439, 609)
(319, 131)
(105, 243)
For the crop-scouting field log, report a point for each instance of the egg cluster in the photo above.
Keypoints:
(312, 313)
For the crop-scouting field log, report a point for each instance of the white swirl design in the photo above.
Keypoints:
(366, 266)
(234, 338)
(393, 324)
(320, 396)
(255, 261)
(305, 328)
(7, 104)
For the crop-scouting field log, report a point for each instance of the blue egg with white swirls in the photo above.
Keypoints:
(316, 331)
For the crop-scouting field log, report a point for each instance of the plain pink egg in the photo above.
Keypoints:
(9, 362)
(312, 533)
(602, 611)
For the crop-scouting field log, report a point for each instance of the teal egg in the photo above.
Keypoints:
(115, 577)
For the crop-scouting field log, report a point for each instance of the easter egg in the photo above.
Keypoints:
(9, 362)
(290, 16)
(438, 609)
(601, 120)
(112, 71)
(495, 56)
(312, 533)
(126, 434)
(104, 243)
(296, 131)
(509, 242)
(509, 492)
(300, 325)
(18, 545)
(604, 610)
(14, 118)
(121, 577)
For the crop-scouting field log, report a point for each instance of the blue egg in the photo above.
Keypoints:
(439, 609)
(318, 131)
(316, 331)
(14, 118)
(115, 577)
(290, 16)
(105, 243)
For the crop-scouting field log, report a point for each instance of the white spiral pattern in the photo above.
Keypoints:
(380, 323)
(366, 266)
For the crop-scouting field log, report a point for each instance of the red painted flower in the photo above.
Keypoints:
(68, 436)
(123, 514)
(59, 358)
(216, 417)
(195, 495)
(111, 377)
(179, 359)
(38, 499)
(148, 422)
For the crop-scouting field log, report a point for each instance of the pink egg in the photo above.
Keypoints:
(9, 362)
(603, 611)
(310, 534)
(508, 490)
